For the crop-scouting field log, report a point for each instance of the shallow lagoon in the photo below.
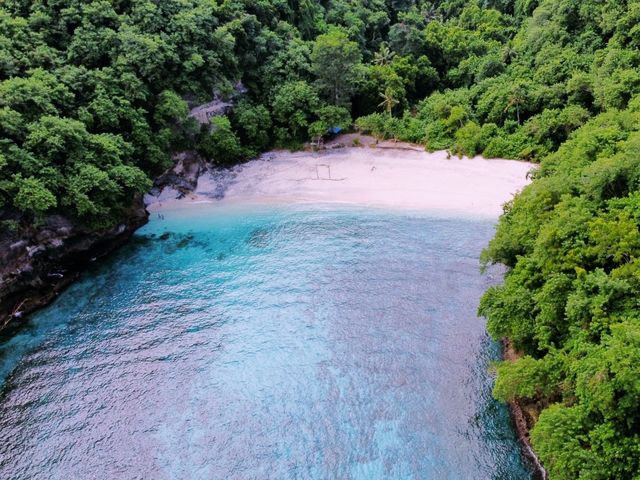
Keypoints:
(265, 342)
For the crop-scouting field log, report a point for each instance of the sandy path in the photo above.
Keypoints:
(389, 178)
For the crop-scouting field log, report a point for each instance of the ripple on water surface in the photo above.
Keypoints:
(264, 343)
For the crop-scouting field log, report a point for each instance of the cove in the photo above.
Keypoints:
(265, 342)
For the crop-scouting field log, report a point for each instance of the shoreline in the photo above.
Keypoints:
(389, 176)
(386, 175)
(522, 432)
(44, 262)
(520, 419)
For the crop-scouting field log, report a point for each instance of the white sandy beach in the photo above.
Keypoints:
(376, 177)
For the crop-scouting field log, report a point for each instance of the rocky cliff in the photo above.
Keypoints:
(37, 263)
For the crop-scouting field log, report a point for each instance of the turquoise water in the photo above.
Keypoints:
(270, 342)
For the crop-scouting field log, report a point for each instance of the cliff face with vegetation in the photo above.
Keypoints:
(38, 262)
(571, 301)
(95, 95)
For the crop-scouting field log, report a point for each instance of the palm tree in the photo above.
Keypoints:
(517, 98)
(509, 53)
(384, 56)
(430, 13)
(388, 100)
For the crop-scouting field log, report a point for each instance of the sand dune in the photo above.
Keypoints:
(377, 177)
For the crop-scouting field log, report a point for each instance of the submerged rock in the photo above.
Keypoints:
(259, 238)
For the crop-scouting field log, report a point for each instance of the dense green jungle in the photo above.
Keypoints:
(95, 96)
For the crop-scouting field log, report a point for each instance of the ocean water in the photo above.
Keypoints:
(264, 343)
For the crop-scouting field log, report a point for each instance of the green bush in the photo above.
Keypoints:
(32, 196)
(221, 145)
(437, 136)
(468, 140)
(373, 124)
(516, 145)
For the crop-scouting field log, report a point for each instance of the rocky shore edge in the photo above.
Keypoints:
(523, 422)
(38, 263)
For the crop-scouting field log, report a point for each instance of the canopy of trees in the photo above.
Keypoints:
(95, 94)
(571, 301)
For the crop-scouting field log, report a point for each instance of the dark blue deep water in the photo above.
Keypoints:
(264, 343)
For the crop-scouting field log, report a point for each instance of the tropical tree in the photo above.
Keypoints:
(221, 145)
(294, 105)
(384, 56)
(509, 53)
(336, 63)
(517, 99)
(388, 100)
(33, 196)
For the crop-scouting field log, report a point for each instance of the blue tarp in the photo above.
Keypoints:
(335, 130)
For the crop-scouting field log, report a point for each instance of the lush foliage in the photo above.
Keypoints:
(95, 95)
(572, 238)
(571, 301)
